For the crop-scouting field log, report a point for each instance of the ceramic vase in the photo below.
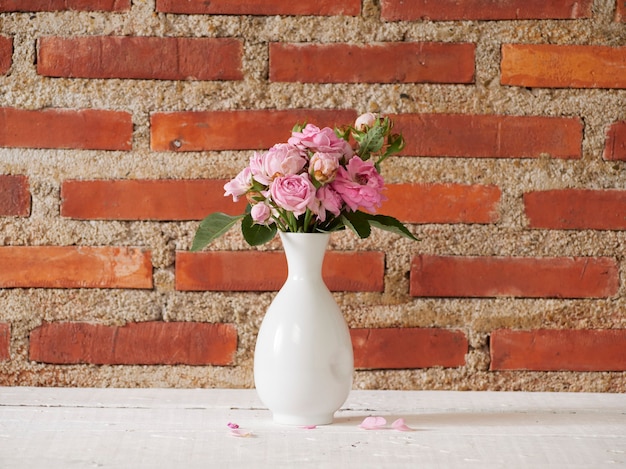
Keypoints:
(303, 359)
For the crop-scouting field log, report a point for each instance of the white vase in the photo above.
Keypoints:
(303, 360)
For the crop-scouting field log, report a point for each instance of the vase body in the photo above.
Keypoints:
(303, 359)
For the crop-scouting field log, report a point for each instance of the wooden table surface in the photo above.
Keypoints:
(172, 428)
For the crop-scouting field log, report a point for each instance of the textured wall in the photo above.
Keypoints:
(120, 121)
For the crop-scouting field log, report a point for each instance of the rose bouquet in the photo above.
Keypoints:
(315, 182)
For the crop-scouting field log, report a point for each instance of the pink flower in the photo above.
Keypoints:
(327, 200)
(282, 159)
(360, 185)
(294, 192)
(238, 432)
(322, 140)
(379, 423)
(256, 166)
(400, 426)
(373, 423)
(365, 120)
(323, 167)
(238, 186)
(261, 213)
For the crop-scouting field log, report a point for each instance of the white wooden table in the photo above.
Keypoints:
(167, 428)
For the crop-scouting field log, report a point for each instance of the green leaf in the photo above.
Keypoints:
(256, 234)
(212, 227)
(343, 133)
(370, 142)
(357, 223)
(391, 224)
(396, 144)
(298, 127)
(332, 224)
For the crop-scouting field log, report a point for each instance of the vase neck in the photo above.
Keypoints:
(305, 253)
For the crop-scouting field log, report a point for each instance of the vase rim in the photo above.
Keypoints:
(293, 233)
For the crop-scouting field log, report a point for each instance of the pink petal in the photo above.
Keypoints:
(238, 432)
(372, 423)
(232, 425)
(309, 427)
(400, 426)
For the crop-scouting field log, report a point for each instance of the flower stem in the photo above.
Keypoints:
(307, 220)
(293, 222)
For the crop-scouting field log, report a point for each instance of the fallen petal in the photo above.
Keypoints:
(238, 432)
(232, 425)
(308, 427)
(400, 426)
(372, 423)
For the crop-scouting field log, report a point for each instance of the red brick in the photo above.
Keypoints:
(572, 209)
(60, 5)
(74, 267)
(442, 203)
(160, 58)
(446, 10)
(549, 277)
(615, 146)
(400, 62)
(490, 136)
(5, 342)
(235, 130)
(146, 343)
(6, 54)
(387, 348)
(563, 66)
(87, 129)
(239, 271)
(14, 196)
(167, 199)
(261, 7)
(556, 350)
(620, 11)
(194, 199)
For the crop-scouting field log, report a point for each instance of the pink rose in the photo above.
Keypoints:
(294, 192)
(360, 185)
(261, 213)
(238, 186)
(327, 199)
(365, 120)
(321, 140)
(282, 159)
(256, 166)
(323, 167)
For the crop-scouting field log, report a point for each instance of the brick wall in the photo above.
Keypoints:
(121, 120)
